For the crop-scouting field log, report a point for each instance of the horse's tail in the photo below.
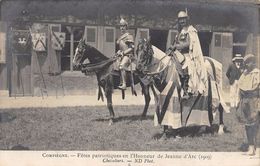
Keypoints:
(215, 73)
(214, 69)
(100, 93)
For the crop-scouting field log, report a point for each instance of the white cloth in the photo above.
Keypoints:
(197, 69)
(249, 81)
(234, 94)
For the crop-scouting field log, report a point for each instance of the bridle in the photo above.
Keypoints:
(149, 50)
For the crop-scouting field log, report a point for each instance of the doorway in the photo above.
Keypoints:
(159, 38)
(205, 40)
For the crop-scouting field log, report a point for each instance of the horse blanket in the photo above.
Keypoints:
(200, 109)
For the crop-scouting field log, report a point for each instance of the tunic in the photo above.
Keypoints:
(124, 42)
(194, 60)
(249, 88)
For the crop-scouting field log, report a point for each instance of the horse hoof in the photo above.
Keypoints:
(221, 130)
(110, 122)
(176, 138)
(163, 138)
(142, 117)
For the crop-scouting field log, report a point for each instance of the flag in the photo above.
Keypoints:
(39, 41)
(58, 40)
(168, 111)
(21, 42)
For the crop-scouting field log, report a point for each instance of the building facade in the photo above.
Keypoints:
(225, 28)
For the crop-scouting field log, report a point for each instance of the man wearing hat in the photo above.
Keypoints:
(248, 111)
(194, 75)
(233, 74)
(125, 44)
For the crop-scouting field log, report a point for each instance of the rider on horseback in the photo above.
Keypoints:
(125, 52)
(193, 75)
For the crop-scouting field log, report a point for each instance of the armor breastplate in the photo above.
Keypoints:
(122, 41)
(182, 38)
(122, 45)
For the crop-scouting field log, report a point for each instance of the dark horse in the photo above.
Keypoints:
(107, 77)
(163, 70)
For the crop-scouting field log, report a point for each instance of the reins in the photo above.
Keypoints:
(160, 60)
(165, 66)
(99, 65)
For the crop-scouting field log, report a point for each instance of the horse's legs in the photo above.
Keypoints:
(165, 128)
(164, 134)
(123, 94)
(147, 98)
(110, 107)
(221, 121)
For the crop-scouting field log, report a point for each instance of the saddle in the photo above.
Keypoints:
(131, 67)
(179, 61)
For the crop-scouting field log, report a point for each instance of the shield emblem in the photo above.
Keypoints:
(21, 42)
(39, 41)
(58, 40)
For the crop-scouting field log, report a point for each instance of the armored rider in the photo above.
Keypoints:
(126, 51)
(187, 43)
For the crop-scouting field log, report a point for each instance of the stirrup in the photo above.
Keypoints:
(186, 96)
(122, 87)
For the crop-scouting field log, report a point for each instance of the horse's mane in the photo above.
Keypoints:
(159, 56)
(98, 60)
(159, 60)
(94, 54)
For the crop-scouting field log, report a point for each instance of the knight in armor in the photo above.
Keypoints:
(126, 51)
(193, 75)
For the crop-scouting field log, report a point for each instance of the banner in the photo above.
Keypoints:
(58, 40)
(21, 42)
(39, 41)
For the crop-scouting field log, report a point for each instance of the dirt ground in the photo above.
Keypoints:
(86, 128)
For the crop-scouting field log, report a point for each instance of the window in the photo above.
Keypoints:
(55, 28)
(226, 41)
(218, 40)
(2, 47)
(91, 35)
(73, 35)
(110, 35)
(143, 34)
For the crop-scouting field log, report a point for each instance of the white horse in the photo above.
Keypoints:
(171, 110)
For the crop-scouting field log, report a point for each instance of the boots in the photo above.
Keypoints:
(185, 87)
(251, 150)
(123, 76)
(251, 132)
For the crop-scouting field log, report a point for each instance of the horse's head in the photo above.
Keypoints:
(85, 51)
(144, 53)
(80, 55)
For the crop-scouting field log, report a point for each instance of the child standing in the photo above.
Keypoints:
(249, 106)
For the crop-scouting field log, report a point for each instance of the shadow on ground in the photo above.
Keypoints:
(6, 117)
(129, 118)
(190, 131)
(19, 147)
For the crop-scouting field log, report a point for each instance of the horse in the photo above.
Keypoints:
(164, 71)
(108, 79)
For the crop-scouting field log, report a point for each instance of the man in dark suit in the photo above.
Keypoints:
(233, 74)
